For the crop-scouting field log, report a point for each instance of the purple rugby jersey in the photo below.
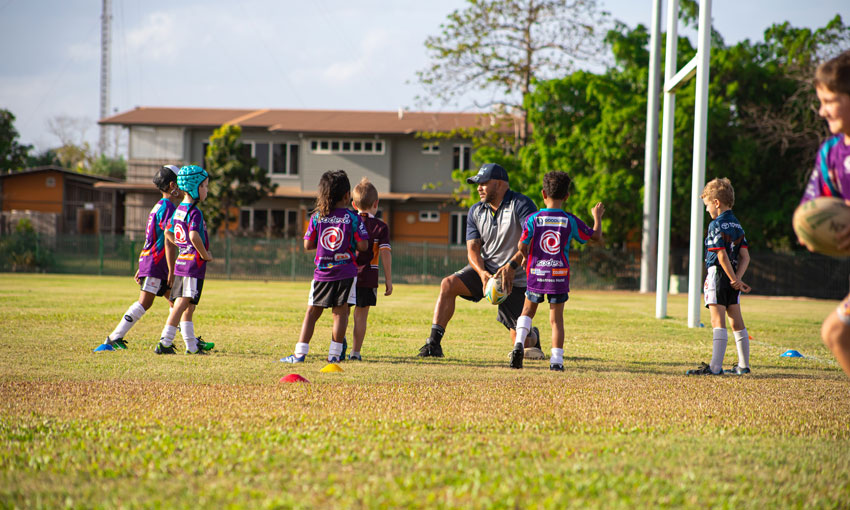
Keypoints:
(336, 237)
(186, 219)
(548, 233)
(152, 260)
(831, 175)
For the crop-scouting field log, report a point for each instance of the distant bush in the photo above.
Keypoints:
(21, 252)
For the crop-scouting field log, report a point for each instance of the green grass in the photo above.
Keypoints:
(621, 428)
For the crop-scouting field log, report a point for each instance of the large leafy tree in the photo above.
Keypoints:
(501, 46)
(13, 155)
(235, 178)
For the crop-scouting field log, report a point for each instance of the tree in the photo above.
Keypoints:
(75, 153)
(13, 155)
(109, 167)
(235, 178)
(503, 45)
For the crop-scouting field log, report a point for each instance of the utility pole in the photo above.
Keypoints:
(105, 57)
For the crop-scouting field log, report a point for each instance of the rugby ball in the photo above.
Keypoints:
(817, 222)
(494, 292)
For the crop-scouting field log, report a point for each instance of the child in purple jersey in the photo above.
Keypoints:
(156, 260)
(336, 233)
(545, 247)
(831, 177)
(188, 231)
(365, 200)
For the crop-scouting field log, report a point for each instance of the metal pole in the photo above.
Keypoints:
(649, 239)
(666, 188)
(700, 132)
(105, 48)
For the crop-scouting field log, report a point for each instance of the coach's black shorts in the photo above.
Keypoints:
(331, 294)
(509, 311)
(367, 296)
(718, 289)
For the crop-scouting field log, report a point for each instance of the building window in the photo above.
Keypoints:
(431, 148)
(245, 219)
(458, 232)
(429, 216)
(261, 220)
(261, 153)
(336, 146)
(460, 157)
(285, 159)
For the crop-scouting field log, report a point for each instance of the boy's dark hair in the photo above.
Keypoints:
(365, 195)
(163, 178)
(557, 185)
(333, 186)
(834, 74)
(720, 189)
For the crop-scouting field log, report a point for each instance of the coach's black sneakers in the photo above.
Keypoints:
(344, 348)
(431, 350)
(516, 356)
(164, 349)
(556, 367)
(536, 335)
(736, 370)
(704, 369)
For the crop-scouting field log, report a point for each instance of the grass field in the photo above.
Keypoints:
(621, 428)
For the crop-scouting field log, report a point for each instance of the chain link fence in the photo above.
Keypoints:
(777, 274)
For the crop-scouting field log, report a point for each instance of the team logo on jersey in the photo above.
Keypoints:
(550, 242)
(331, 238)
(179, 234)
(341, 256)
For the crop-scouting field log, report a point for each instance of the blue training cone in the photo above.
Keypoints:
(791, 353)
(104, 348)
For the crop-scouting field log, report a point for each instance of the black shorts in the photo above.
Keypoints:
(331, 294)
(153, 285)
(509, 311)
(367, 296)
(554, 299)
(187, 287)
(718, 290)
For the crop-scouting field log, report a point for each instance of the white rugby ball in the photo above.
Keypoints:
(494, 292)
(818, 221)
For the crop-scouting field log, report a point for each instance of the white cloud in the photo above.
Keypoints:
(155, 38)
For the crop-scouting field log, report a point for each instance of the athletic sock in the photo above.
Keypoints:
(437, 333)
(168, 333)
(742, 342)
(335, 350)
(718, 349)
(187, 329)
(557, 356)
(355, 353)
(301, 349)
(131, 316)
(523, 326)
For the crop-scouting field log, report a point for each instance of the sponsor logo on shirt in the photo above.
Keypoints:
(847, 164)
(179, 215)
(544, 221)
(564, 271)
(550, 242)
(334, 219)
(539, 272)
(549, 263)
(341, 256)
(331, 238)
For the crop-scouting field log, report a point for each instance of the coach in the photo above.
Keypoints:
(493, 229)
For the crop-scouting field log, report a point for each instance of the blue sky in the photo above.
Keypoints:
(323, 54)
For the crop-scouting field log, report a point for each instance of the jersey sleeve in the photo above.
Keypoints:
(527, 230)
(581, 233)
(311, 233)
(384, 238)
(360, 232)
(472, 231)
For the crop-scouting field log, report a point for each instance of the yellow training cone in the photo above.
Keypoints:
(331, 367)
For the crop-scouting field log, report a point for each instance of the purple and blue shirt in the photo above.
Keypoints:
(831, 175)
(548, 233)
(188, 218)
(336, 237)
(152, 260)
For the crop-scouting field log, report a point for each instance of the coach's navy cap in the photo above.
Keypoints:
(487, 172)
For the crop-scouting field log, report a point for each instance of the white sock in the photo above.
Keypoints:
(523, 326)
(557, 356)
(168, 333)
(742, 342)
(131, 317)
(335, 350)
(301, 349)
(718, 349)
(355, 353)
(187, 329)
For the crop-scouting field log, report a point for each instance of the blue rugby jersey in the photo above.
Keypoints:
(724, 233)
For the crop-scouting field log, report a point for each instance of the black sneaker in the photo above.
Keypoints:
(164, 349)
(736, 370)
(556, 367)
(516, 356)
(704, 369)
(431, 350)
(344, 348)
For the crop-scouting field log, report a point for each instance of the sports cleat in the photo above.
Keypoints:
(293, 359)
(737, 370)
(333, 359)
(556, 367)
(704, 369)
(431, 350)
(118, 343)
(537, 335)
(354, 357)
(516, 356)
(199, 351)
(104, 348)
(164, 349)
(204, 345)
(344, 348)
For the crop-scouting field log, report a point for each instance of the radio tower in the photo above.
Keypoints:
(105, 49)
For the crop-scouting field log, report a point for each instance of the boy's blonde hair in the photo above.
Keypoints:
(365, 195)
(834, 74)
(720, 189)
